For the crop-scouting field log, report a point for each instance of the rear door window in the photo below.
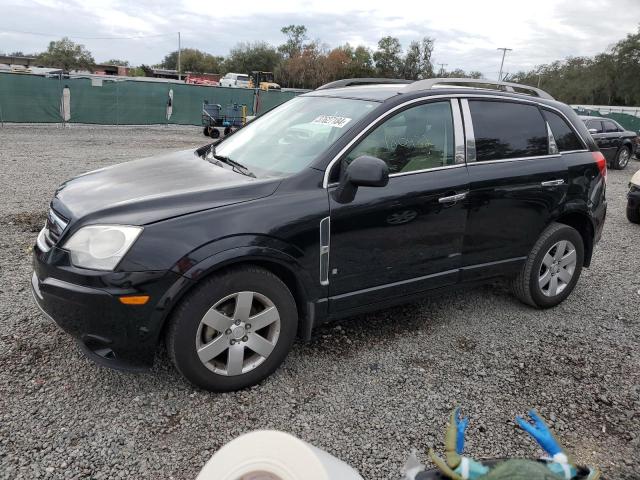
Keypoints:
(506, 130)
(566, 139)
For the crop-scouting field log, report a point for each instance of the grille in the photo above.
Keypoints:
(52, 230)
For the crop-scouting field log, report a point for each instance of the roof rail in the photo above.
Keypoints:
(429, 83)
(353, 82)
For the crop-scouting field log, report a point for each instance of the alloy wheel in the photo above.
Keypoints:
(238, 333)
(623, 159)
(557, 268)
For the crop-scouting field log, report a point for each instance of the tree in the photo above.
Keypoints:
(193, 60)
(459, 73)
(388, 57)
(296, 36)
(117, 63)
(246, 57)
(361, 63)
(417, 61)
(67, 55)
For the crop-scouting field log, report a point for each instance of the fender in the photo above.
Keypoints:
(310, 297)
(577, 215)
(247, 254)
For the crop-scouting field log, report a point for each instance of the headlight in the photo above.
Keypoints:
(101, 247)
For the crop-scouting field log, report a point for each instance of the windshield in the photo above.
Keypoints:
(290, 137)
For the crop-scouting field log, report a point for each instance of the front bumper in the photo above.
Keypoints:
(85, 304)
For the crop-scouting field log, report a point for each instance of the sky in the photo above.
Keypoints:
(467, 33)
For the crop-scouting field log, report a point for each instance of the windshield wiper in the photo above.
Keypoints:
(237, 166)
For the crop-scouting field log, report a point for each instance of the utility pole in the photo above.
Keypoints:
(504, 52)
(179, 75)
(442, 65)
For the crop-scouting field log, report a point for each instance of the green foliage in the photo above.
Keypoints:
(610, 78)
(141, 71)
(117, 63)
(417, 61)
(66, 55)
(193, 60)
(388, 57)
(246, 57)
(296, 36)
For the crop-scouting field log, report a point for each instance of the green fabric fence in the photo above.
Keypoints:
(36, 99)
(628, 117)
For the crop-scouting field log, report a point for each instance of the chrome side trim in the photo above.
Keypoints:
(412, 172)
(517, 159)
(325, 241)
(469, 135)
(394, 284)
(575, 151)
(458, 130)
(489, 264)
(427, 99)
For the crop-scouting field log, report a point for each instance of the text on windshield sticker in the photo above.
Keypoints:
(331, 120)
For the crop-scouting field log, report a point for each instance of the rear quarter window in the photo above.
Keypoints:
(506, 130)
(565, 137)
(609, 126)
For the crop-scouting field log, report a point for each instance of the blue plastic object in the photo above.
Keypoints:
(540, 432)
(461, 426)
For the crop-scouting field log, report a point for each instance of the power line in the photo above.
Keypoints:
(81, 37)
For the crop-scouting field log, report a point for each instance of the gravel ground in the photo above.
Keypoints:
(367, 390)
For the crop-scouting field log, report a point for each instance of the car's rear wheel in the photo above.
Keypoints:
(552, 268)
(234, 330)
(622, 159)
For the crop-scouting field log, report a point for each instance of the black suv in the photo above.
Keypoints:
(616, 144)
(353, 197)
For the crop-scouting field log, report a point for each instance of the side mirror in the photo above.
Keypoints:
(593, 130)
(364, 171)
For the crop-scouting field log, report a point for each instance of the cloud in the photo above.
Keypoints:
(467, 33)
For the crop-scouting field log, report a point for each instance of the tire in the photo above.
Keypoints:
(205, 131)
(633, 214)
(530, 285)
(187, 334)
(622, 159)
(214, 132)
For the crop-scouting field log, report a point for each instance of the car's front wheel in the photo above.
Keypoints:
(552, 268)
(233, 330)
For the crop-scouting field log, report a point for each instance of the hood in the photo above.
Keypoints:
(156, 188)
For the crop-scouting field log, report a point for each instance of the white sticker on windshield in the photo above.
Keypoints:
(332, 121)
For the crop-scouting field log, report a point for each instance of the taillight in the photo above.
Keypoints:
(601, 162)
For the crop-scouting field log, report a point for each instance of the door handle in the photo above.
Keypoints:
(453, 198)
(552, 183)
